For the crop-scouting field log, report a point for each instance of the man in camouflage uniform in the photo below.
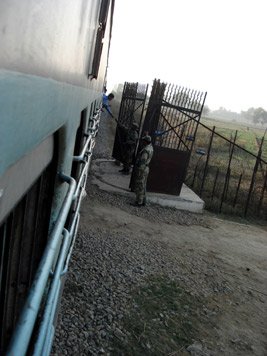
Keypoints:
(142, 170)
(129, 148)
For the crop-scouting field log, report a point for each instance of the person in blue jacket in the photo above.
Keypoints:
(106, 99)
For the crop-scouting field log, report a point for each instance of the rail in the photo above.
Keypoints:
(90, 142)
(22, 335)
(44, 294)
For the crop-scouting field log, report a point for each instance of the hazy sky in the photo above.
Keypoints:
(218, 46)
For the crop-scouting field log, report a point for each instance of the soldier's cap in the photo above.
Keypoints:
(146, 138)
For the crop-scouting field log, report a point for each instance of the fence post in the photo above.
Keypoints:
(227, 176)
(215, 183)
(237, 190)
(207, 162)
(194, 177)
(264, 187)
(258, 159)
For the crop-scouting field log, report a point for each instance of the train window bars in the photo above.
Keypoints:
(102, 21)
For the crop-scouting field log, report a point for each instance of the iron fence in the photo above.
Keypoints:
(229, 178)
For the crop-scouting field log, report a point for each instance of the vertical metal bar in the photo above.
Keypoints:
(196, 127)
(35, 238)
(237, 190)
(141, 120)
(194, 177)
(73, 234)
(253, 177)
(227, 176)
(175, 120)
(207, 161)
(215, 183)
(227, 184)
(143, 107)
(49, 342)
(171, 114)
(48, 316)
(191, 124)
(15, 261)
(154, 108)
(165, 111)
(21, 337)
(3, 238)
(122, 102)
(180, 128)
(264, 187)
(26, 245)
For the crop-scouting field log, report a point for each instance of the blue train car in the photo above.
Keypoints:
(53, 65)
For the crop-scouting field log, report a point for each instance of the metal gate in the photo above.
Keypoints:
(131, 110)
(172, 120)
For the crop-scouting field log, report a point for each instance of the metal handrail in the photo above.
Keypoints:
(72, 243)
(46, 334)
(92, 131)
(95, 120)
(81, 156)
(59, 248)
(23, 331)
(83, 173)
(49, 313)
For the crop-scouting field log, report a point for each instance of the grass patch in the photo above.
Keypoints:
(163, 320)
(248, 137)
(232, 200)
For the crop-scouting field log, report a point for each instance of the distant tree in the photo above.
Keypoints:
(260, 116)
(257, 116)
(224, 114)
(248, 115)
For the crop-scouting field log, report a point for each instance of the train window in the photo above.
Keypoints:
(103, 14)
(102, 21)
(94, 107)
(97, 54)
(91, 110)
(23, 237)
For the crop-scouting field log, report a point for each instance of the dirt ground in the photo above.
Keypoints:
(157, 281)
(224, 261)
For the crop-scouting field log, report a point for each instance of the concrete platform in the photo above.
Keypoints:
(108, 178)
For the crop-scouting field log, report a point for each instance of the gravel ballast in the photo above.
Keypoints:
(119, 249)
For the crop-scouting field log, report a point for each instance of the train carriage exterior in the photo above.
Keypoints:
(53, 64)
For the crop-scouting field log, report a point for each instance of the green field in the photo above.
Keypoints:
(248, 136)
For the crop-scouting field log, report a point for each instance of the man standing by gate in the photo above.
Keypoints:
(141, 170)
(129, 148)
